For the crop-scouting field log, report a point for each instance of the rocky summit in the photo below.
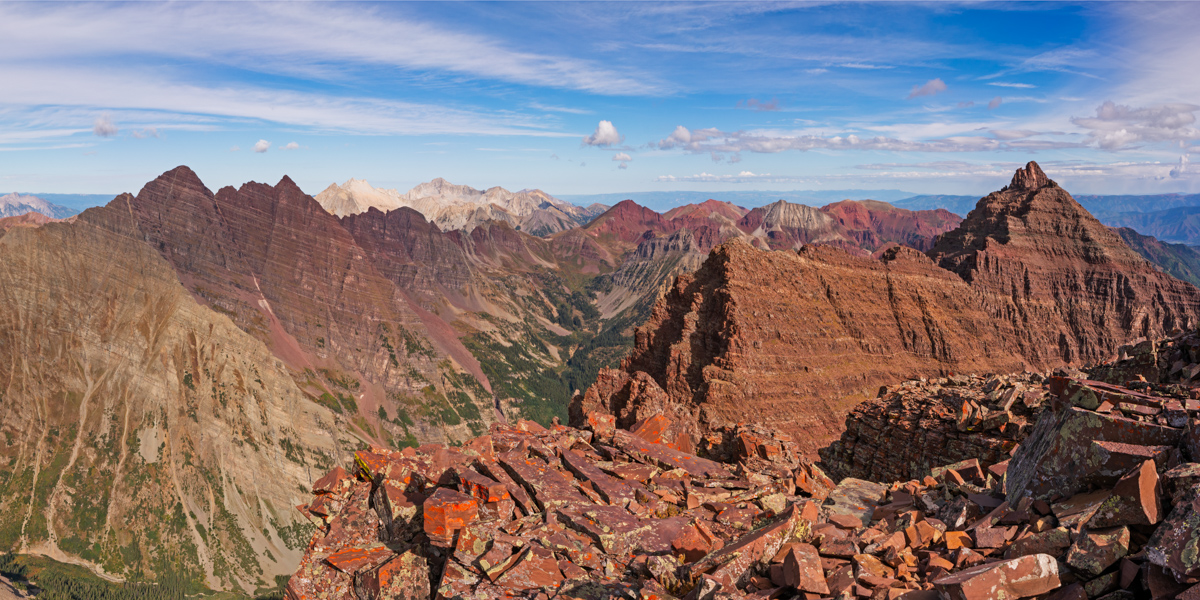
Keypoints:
(604, 512)
(794, 339)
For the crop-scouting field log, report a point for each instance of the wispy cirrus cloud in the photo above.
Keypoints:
(30, 91)
(716, 142)
(298, 39)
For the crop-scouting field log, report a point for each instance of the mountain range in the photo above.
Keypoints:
(452, 206)
(1029, 280)
(172, 346)
(14, 204)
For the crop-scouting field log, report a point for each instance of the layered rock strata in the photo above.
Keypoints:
(793, 340)
(914, 426)
(1037, 256)
(1028, 281)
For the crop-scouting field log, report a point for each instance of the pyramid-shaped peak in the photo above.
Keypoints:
(1030, 178)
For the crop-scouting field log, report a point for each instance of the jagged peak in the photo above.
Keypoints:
(1030, 178)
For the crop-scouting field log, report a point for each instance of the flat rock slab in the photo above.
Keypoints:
(1017, 578)
(854, 498)
(668, 458)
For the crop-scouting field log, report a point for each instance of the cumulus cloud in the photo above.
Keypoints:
(291, 146)
(1181, 170)
(262, 146)
(757, 105)
(103, 126)
(680, 137)
(1117, 126)
(605, 135)
(995, 103)
(931, 87)
(622, 157)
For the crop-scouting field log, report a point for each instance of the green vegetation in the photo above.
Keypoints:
(59, 581)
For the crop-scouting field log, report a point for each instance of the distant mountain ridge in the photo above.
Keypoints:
(452, 206)
(15, 205)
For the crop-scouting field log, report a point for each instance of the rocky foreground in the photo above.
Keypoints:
(1098, 500)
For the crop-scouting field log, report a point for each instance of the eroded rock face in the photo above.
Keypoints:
(1029, 281)
(336, 311)
(1037, 256)
(137, 423)
(792, 340)
(912, 427)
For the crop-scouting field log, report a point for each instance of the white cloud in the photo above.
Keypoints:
(929, 88)
(291, 146)
(560, 109)
(861, 65)
(103, 126)
(140, 95)
(717, 142)
(299, 39)
(235, 148)
(995, 103)
(605, 135)
(1181, 170)
(262, 146)
(622, 157)
(149, 132)
(1023, 86)
(1117, 126)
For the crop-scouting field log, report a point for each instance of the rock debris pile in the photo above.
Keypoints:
(917, 425)
(1096, 501)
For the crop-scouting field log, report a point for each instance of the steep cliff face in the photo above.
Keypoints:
(1038, 257)
(792, 340)
(292, 275)
(137, 423)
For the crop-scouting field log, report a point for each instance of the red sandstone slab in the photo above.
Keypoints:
(1017, 578)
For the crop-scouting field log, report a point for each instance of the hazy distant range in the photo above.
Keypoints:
(78, 202)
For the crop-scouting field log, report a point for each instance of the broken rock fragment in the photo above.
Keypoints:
(1017, 578)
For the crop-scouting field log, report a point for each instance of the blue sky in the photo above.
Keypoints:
(601, 98)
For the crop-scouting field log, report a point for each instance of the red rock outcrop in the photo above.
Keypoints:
(1038, 257)
(291, 274)
(793, 339)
